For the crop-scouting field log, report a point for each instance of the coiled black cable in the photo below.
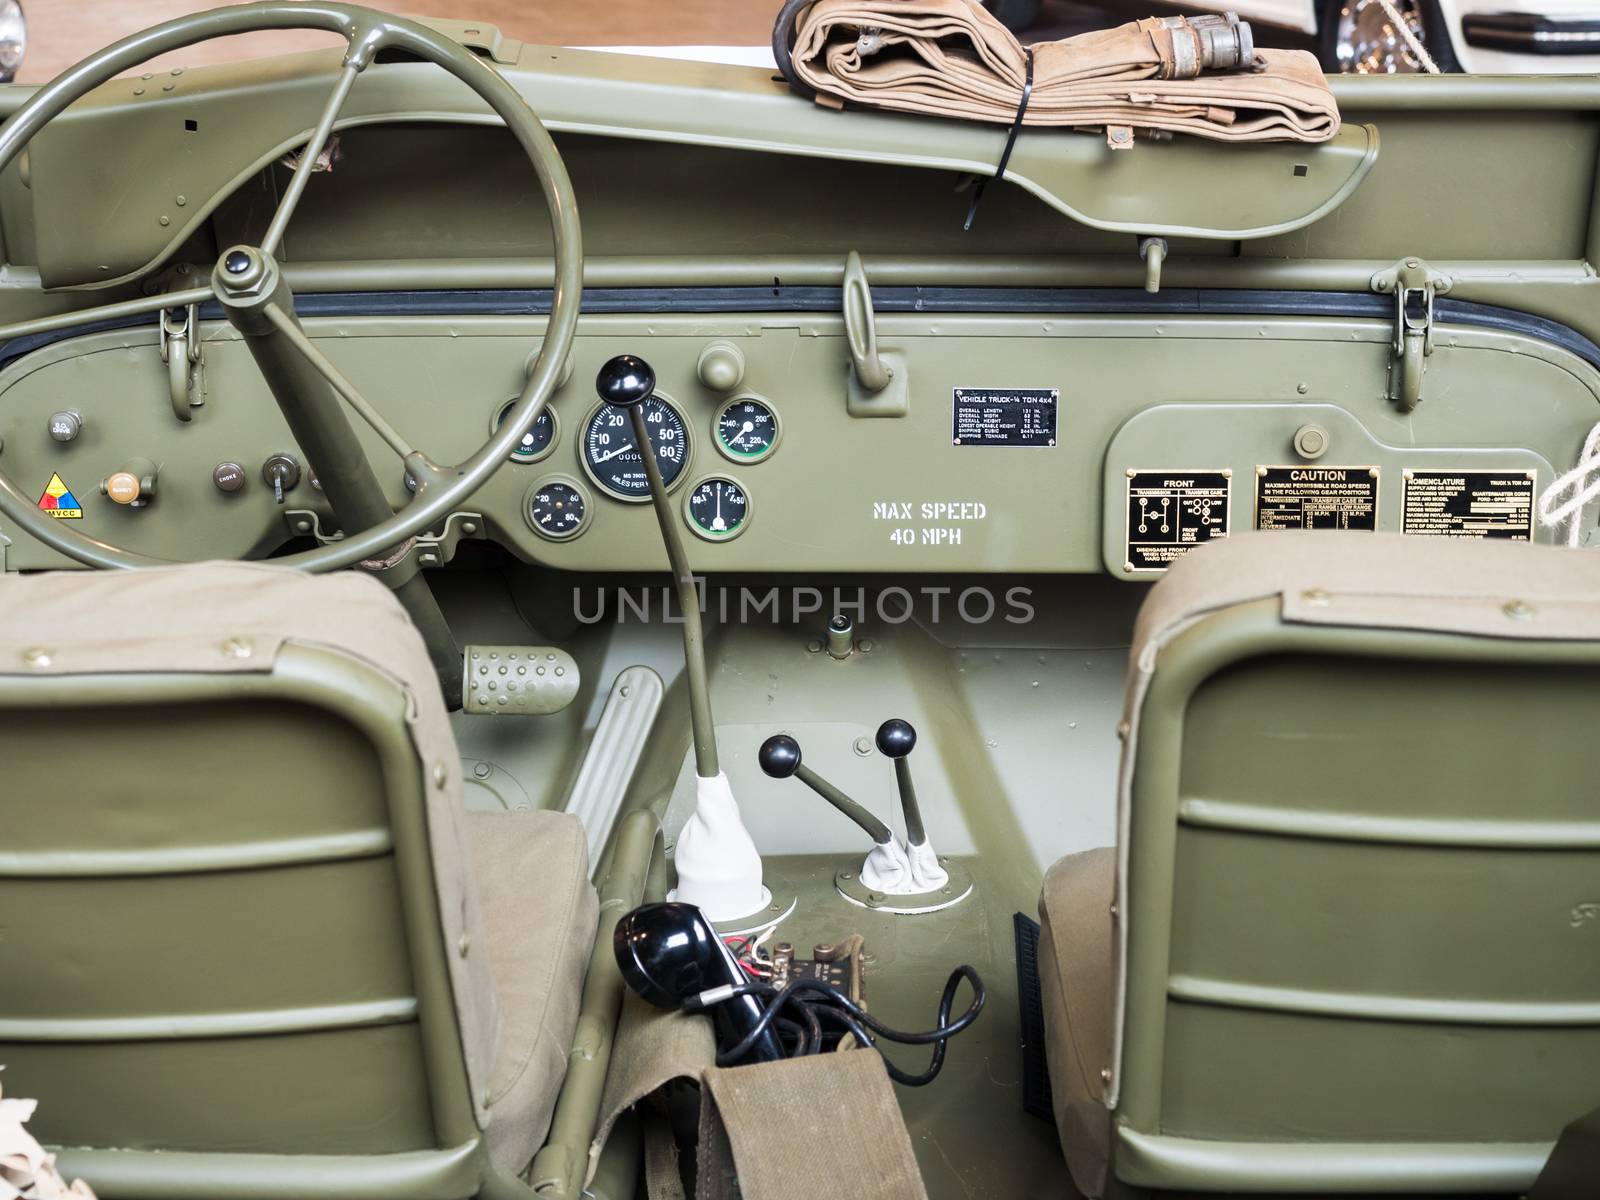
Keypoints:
(798, 1011)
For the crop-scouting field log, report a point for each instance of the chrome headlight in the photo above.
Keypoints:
(13, 38)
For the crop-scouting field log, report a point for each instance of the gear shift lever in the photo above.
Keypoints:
(896, 739)
(887, 868)
(719, 869)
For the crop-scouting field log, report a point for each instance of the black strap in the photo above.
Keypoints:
(1011, 141)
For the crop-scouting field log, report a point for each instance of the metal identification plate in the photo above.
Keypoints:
(1005, 416)
(1474, 504)
(1316, 497)
(1172, 512)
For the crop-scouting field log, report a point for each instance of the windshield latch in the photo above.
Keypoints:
(1414, 284)
(180, 350)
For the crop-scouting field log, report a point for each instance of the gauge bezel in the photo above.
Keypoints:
(516, 456)
(545, 481)
(688, 451)
(694, 526)
(733, 456)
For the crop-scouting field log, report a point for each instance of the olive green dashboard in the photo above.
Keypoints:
(1131, 399)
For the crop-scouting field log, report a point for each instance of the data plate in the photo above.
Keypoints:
(1316, 497)
(1005, 416)
(1469, 504)
(1172, 512)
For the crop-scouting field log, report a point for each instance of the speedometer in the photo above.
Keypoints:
(612, 457)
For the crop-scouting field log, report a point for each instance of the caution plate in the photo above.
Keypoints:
(1172, 512)
(1316, 497)
(1469, 504)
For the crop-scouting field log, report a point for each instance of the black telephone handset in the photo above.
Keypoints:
(670, 955)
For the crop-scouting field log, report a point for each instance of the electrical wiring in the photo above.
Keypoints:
(798, 1011)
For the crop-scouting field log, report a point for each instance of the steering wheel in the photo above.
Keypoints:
(253, 294)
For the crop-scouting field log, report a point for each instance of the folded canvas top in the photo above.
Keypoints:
(951, 58)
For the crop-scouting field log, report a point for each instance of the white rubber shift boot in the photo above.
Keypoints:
(719, 869)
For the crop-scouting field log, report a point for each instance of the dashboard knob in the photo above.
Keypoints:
(721, 366)
(228, 476)
(134, 485)
(625, 380)
(896, 738)
(779, 756)
(65, 426)
(281, 473)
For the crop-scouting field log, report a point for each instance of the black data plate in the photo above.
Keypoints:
(1005, 416)
(1172, 512)
(1471, 504)
(1316, 497)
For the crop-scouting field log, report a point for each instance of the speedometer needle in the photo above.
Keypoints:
(613, 454)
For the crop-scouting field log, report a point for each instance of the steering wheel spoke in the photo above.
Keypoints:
(301, 175)
(347, 391)
(104, 313)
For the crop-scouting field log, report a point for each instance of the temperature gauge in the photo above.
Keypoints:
(747, 430)
(537, 441)
(718, 509)
(556, 508)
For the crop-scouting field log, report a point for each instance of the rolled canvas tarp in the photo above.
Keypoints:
(951, 58)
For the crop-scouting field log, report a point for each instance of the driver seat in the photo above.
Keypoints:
(254, 944)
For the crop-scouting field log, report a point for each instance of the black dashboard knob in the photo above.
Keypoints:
(779, 756)
(625, 380)
(896, 738)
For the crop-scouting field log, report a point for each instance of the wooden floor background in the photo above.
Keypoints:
(60, 32)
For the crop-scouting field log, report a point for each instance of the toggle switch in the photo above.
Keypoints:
(281, 473)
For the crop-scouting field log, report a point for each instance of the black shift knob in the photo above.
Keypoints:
(896, 738)
(625, 380)
(779, 756)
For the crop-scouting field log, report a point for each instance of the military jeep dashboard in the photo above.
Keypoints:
(847, 380)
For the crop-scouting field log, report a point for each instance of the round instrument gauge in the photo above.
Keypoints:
(718, 509)
(747, 430)
(612, 458)
(538, 441)
(556, 508)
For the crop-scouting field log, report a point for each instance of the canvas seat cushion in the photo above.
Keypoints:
(1075, 990)
(540, 914)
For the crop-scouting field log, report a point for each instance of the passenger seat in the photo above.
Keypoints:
(1349, 940)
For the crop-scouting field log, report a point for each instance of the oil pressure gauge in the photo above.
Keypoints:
(613, 461)
(747, 429)
(537, 441)
(718, 509)
(556, 508)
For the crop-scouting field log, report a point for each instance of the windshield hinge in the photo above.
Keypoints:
(180, 350)
(1414, 284)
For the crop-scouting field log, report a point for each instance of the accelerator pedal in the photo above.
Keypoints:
(517, 681)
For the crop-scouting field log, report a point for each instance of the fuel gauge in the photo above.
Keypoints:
(537, 441)
(747, 430)
(718, 509)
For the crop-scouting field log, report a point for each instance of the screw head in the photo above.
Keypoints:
(237, 262)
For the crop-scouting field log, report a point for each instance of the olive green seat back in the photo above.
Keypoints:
(1357, 948)
(242, 950)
